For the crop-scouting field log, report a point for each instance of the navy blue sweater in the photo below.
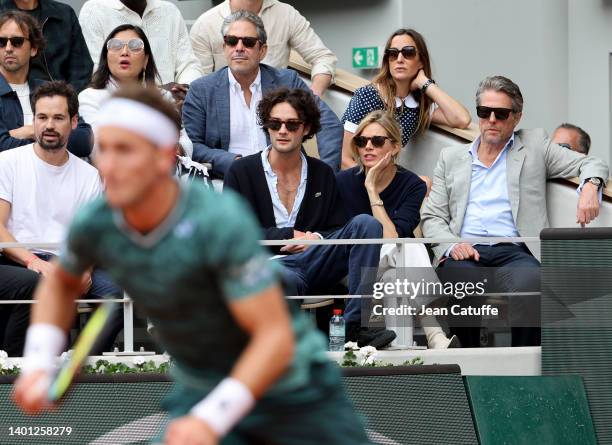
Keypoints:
(402, 198)
(321, 210)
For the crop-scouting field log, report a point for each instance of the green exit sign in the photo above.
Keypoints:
(365, 57)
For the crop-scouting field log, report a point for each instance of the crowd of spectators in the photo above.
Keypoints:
(246, 116)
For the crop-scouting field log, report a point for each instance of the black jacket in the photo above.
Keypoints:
(321, 209)
(65, 56)
(11, 116)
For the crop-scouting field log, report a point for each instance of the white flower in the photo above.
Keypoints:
(67, 354)
(367, 354)
(352, 345)
(139, 360)
(101, 369)
(4, 364)
(370, 360)
(166, 356)
(367, 350)
(3, 354)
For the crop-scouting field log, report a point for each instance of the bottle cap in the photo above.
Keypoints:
(337, 311)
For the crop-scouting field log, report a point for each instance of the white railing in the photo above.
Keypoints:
(404, 333)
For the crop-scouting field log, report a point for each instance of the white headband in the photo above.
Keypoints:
(139, 118)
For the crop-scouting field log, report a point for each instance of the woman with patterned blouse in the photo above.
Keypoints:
(405, 88)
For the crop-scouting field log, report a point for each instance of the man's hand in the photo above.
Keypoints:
(30, 393)
(588, 204)
(464, 251)
(25, 132)
(45, 268)
(299, 248)
(178, 90)
(190, 430)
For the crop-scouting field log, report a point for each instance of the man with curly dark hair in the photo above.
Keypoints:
(292, 194)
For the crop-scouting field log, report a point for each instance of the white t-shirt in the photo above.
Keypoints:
(44, 197)
(23, 93)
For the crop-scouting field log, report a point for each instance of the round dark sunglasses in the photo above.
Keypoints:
(408, 52)
(276, 124)
(501, 114)
(248, 42)
(16, 42)
(377, 141)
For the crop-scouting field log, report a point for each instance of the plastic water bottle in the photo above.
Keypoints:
(336, 331)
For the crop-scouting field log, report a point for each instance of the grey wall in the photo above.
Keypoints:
(590, 75)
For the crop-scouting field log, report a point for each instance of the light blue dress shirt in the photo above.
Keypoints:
(488, 211)
(282, 217)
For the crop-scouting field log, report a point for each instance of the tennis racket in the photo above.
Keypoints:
(85, 343)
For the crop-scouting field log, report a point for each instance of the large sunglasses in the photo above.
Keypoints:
(377, 141)
(133, 45)
(16, 42)
(501, 114)
(248, 42)
(276, 124)
(407, 52)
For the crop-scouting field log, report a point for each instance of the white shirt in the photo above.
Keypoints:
(91, 99)
(164, 26)
(246, 137)
(44, 197)
(282, 217)
(287, 29)
(23, 93)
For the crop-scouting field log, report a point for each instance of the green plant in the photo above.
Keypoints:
(366, 356)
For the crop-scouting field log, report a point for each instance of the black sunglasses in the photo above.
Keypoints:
(377, 141)
(248, 42)
(276, 124)
(16, 42)
(408, 52)
(501, 114)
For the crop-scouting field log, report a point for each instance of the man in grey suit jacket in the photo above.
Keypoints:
(219, 113)
(496, 187)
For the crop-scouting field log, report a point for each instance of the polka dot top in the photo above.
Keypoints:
(366, 99)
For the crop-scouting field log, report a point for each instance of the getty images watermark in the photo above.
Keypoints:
(423, 292)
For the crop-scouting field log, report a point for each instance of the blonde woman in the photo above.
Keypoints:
(379, 187)
(403, 87)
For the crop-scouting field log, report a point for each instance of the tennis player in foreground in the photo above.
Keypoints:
(249, 367)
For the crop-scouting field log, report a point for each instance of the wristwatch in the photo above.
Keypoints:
(426, 85)
(596, 181)
(376, 203)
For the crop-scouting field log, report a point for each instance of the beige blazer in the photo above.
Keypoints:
(531, 160)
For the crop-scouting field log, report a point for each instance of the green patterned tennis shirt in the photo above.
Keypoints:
(183, 274)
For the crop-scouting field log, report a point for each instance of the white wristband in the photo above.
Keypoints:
(44, 343)
(225, 406)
